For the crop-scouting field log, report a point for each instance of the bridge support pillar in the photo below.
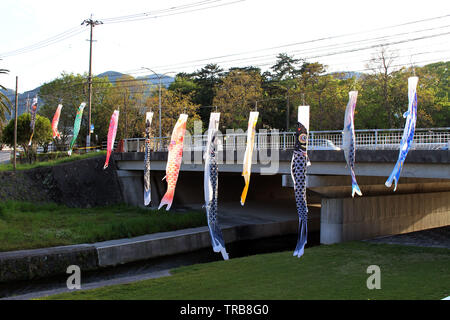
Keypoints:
(346, 219)
(132, 186)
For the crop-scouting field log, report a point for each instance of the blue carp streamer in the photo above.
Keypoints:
(349, 140)
(408, 132)
(211, 185)
(298, 172)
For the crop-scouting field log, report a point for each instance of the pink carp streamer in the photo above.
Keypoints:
(111, 136)
(55, 122)
(174, 160)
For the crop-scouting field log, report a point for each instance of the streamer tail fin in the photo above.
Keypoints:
(147, 197)
(167, 199)
(302, 238)
(395, 176)
(355, 189)
(244, 192)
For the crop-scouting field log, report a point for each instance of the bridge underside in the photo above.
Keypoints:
(421, 201)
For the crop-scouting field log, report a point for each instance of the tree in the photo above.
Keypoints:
(381, 64)
(236, 96)
(5, 104)
(184, 84)
(42, 133)
(173, 103)
(286, 73)
(127, 96)
(207, 79)
(71, 90)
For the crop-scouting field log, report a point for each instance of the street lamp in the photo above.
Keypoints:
(159, 77)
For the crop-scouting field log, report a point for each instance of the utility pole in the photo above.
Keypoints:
(92, 24)
(159, 76)
(15, 122)
(287, 111)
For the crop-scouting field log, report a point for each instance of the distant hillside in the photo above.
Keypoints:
(113, 76)
(151, 79)
(22, 99)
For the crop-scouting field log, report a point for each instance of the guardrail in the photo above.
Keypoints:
(369, 139)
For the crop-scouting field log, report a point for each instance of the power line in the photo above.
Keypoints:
(146, 15)
(302, 42)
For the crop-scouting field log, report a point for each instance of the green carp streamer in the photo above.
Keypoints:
(76, 126)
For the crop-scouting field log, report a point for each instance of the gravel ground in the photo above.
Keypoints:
(437, 237)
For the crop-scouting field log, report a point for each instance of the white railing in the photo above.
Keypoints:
(370, 139)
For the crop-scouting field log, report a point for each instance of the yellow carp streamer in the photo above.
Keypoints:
(247, 168)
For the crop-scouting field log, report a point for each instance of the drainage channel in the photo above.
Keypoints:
(152, 268)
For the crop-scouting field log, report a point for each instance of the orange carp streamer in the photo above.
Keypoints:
(55, 122)
(174, 160)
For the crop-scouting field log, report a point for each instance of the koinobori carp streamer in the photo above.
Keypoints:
(33, 118)
(248, 156)
(211, 185)
(349, 141)
(298, 173)
(408, 132)
(112, 131)
(174, 160)
(76, 126)
(147, 182)
(55, 122)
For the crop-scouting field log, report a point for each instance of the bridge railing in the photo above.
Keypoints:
(369, 139)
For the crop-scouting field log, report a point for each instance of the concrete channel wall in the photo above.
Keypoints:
(40, 263)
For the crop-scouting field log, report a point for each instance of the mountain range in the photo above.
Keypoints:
(113, 76)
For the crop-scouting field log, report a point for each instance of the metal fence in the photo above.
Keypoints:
(370, 139)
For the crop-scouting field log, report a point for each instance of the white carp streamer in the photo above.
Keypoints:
(349, 140)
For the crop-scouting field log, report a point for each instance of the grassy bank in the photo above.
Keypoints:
(28, 225)
(74, 157)
(324, 272)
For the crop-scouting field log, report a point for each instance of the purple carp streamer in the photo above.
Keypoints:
(33, 118)
(211, 185)
(76, 126)
(408, 132)
(111, 136)
(349, 141)
(147, 183)
(298, 172)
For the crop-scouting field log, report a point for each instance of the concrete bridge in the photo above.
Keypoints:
(421, 201)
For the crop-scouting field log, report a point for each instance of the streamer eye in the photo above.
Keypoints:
(303, 138)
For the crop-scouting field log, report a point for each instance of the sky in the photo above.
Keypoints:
(185, 35)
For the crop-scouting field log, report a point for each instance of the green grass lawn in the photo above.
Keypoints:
(28, 225)
(74, 157)
(324, 272)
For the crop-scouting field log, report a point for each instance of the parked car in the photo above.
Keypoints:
(322, 144)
